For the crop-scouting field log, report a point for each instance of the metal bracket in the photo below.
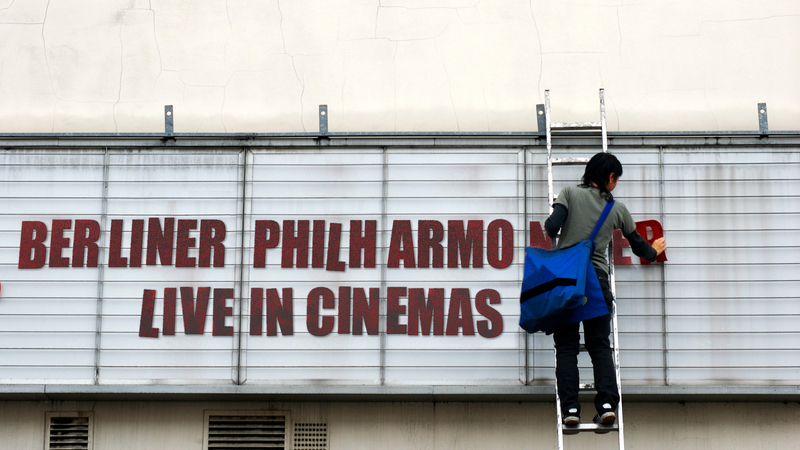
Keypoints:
(763, 125)
(540, 118)
(168, 127)
(323, 119)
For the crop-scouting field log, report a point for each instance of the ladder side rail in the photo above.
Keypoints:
(603, 129)
(550, 201)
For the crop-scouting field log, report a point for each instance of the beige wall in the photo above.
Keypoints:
(424, 426)
(395, 65)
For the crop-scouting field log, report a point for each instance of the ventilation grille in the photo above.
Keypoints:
(311, 436)
(69, 433)
(246, 432)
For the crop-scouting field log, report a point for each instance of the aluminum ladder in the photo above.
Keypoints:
(551, 161)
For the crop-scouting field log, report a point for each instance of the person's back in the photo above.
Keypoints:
(575, 213)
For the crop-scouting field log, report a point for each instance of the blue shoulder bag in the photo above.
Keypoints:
(560, 287)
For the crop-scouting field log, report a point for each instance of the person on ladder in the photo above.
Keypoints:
(574, 213)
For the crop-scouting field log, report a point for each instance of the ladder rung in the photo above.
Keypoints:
(569, 161)
(576, 126)
(586, 387)
(586, 427)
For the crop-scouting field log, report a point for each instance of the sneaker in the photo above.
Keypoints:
(572, 420)
(607, 418)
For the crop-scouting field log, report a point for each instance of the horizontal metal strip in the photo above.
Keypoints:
(261, 392)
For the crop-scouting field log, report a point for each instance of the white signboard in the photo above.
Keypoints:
(364, 266)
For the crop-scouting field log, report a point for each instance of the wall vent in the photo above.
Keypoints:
(311, 436)
(69, 431)
(245, 430)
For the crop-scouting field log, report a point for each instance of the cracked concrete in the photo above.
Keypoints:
(384, 65)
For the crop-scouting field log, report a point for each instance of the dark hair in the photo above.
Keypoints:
(598, 169)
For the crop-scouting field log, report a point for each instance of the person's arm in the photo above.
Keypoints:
(644, 250)
(556, 220)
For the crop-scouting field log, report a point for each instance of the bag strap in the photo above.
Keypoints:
(602, 219)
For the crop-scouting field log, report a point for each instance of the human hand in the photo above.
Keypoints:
(660, 245)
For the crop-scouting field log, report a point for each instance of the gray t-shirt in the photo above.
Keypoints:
(585, 204)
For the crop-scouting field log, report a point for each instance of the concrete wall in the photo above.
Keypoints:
(395, 65)
(424, 426)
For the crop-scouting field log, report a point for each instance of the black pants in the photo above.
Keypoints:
(567, 340)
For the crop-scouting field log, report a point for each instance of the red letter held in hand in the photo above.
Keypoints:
(32, 238)
(657, 232)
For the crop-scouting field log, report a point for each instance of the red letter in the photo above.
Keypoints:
(312, 309)
(283, 314)
(261, 243)
(212, 233)
(490, 313)
(194, 315)
(395, 310)
(460, 304)
(334, 247)
(291, 242)
(429, 237)
(500, 259)
(161, 242)
(82, 241)
(58, 242)
(169, 311)
(401, 237)
(472, 241)
(366, 313)
(642, 227)
(256, 310)
(368, 243)
(619, 242)
(32, 238)
(221, 311)
(538, 238)
(185, 243)
(146, 321)
(137, 237)
(344, 310)
(318, 245)
(115, 246)
(421, 313)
